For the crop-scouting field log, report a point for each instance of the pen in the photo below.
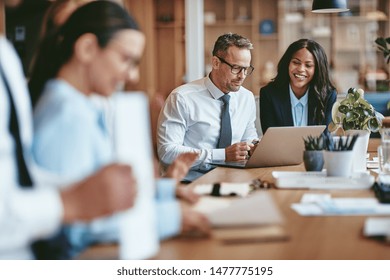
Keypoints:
(254, 142)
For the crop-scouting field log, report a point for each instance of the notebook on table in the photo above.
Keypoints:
(279, 146)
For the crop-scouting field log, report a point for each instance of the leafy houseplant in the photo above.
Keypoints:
(382, 45)
(312, 156)
(354, 112)
(355, 115)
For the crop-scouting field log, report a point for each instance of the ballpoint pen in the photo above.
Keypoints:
(254, 142)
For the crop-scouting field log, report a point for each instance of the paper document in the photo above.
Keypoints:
(373, 164)
(377, 227)
(254, 218)
(138, 225)
(319, 180)
(324, 205)
(256, 209)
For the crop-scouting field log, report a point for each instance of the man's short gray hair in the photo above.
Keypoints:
(230, 39)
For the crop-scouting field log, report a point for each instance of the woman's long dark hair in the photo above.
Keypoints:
(101, 18)
(320, 86)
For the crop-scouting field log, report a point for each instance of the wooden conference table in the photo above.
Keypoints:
(312, 238)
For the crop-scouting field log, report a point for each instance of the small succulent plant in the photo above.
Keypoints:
(343, 143)
(314, 143)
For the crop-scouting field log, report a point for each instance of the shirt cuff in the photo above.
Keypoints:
(169, 219)
(42, 210)
(166, 189)
(218, 154)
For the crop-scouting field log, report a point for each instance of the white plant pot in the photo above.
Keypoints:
(360, 149)
(338, 163)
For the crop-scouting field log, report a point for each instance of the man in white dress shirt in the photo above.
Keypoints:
(37, 211)
(192, 117)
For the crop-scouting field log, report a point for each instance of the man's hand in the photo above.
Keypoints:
(187, 194)
(180, 166)
(194, 222)
(110, 190)
(238, 151)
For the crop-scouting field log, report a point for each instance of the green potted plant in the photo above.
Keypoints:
(382, 45)
(354, 115)
(312, 156)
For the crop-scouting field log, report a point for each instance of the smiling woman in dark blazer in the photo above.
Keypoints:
(301, 93)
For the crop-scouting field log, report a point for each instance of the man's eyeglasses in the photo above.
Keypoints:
(235, 69)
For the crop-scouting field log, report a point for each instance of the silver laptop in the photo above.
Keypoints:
(279, 146)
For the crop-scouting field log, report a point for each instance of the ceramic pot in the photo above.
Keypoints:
(313, 160)
(360, 149)
(338, 163)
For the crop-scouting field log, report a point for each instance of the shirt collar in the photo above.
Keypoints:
(294, 100)
(84, 103)
(214, 91)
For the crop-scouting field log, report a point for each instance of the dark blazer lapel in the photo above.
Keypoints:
(285, 107)
(312, 104)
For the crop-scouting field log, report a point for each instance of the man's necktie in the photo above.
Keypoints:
(225, 136)
(298, 114)
(23, 174)
(56, 247)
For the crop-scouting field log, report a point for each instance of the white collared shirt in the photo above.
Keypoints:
(66, 118)
(25, 214)
(191, 120)
(299, 120)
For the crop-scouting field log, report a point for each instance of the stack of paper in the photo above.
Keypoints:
(325, 205)
(255, 218)
(319, 180)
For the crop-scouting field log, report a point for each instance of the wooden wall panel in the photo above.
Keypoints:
(144, 14)
(2, 18)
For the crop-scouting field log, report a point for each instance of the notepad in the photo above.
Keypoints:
(254, 210)
(254, 218)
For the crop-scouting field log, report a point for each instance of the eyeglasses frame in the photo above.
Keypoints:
(241, 68)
